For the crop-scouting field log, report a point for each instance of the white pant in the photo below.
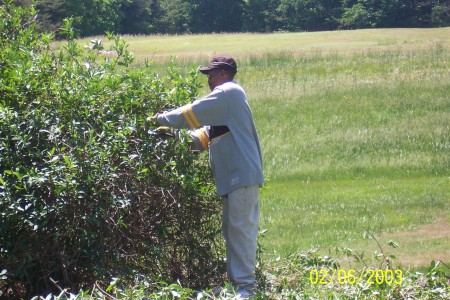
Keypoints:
(240, 229)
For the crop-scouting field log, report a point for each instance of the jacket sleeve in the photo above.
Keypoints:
(200, 139)
(212, 110)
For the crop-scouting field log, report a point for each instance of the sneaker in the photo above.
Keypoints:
(218, 291)
(244, 294)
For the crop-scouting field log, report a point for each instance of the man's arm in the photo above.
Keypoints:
(211, 110)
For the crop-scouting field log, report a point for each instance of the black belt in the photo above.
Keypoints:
(215, 131)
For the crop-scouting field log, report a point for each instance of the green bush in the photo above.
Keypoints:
(86, 192)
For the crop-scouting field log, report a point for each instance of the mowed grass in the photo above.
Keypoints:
(355, 132)
(200, 48)
(325, 214)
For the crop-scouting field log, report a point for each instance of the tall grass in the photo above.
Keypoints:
(332, 116)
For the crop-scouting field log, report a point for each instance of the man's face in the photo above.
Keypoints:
(216, 77)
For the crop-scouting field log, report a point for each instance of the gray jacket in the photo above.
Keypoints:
(234, 155)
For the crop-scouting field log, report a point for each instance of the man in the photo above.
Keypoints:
(225, 126)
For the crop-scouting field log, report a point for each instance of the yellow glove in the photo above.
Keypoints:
(163, 131)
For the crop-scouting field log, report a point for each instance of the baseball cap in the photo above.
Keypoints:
(220, 62)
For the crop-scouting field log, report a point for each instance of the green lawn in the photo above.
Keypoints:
(355, 131)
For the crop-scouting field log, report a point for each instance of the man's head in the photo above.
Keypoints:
(220, 70)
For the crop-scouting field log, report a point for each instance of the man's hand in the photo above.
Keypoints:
(153, 120)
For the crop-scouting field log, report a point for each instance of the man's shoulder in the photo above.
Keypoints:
(231, 86)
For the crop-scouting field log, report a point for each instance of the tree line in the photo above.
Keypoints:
(94, 17)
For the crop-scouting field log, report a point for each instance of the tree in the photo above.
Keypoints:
(175, 17)
(440, 14)
(398, 13)
(357, 16)
(434, 12)
(309, 14)
(217, 15)
(261, 16)
(140, 17)
(93, 17)
(51, 15)
(394, 13)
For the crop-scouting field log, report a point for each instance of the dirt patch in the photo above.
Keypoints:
(429, 242)
(438, 229)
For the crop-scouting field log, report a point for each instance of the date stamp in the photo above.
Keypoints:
(351, 277)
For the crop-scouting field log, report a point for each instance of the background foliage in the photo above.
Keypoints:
(94, 17)
(85, 192)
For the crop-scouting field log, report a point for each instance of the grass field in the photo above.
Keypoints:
(355, 143)
(198, 48)
(355, 131)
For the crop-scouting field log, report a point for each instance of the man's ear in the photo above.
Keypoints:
(227, 73)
